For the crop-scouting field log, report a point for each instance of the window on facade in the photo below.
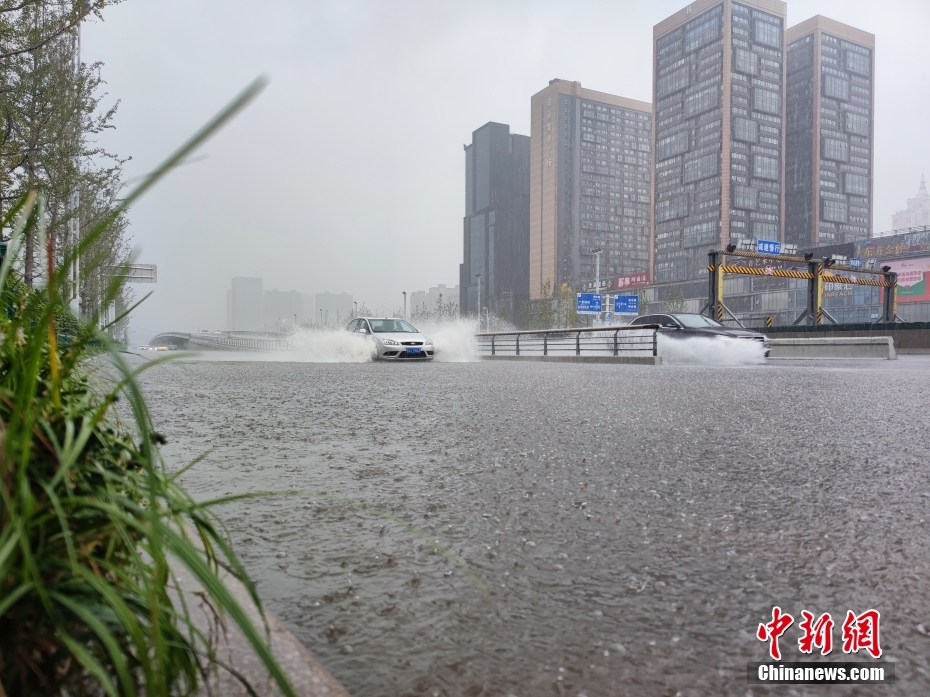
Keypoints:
(672, 208)
(764, 167)
(676, 80)
(766, 100)
(702, 33)
(856, 184)
(744, 197)
(672, 145)
(835, 87)
(746, 61)
(857, 63)
(764, 231)
(699, 234)
(745, 130)
(702, 101)
(857, 123)
(834, 211)
(767, 33)
(836, 150)
(701, 167)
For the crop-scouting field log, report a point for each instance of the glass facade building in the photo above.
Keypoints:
(590, 186)
(496, 223)
(829, 131)
(719, 85)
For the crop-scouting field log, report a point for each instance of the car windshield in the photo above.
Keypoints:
(696, 321)
(386, 326)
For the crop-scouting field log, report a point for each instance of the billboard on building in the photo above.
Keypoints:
(913, 278)
(633, 280)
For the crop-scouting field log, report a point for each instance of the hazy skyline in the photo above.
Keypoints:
(347, 174)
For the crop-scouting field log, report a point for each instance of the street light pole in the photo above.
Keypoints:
(405, 303)
(321, 318)
(356, 307)
(597, 277)
(478, 276)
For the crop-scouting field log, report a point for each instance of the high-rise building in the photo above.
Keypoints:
(244, 305)
(719, 136)
(590, 171)
(496, 224)
(917, 212)
(829, 132)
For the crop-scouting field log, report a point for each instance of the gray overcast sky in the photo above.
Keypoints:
(347, 174)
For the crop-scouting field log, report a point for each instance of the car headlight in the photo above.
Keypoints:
(390, 342)
(428, 342)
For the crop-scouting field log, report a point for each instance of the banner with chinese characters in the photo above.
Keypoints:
(913, 279)
(633, 280)
(894, 246)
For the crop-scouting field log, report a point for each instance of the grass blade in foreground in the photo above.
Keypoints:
(89, 517)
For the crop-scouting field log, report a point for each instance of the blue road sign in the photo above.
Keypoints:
(626, 304)
(768, 247)
(589, 304)
(856, 263)
(607, 317)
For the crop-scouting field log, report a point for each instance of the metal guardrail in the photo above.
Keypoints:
(552, 342)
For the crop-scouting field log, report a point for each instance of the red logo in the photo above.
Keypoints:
(859, 632)
(774, 629)
(819, 633)
(862, 633)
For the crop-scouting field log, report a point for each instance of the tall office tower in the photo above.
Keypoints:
(829, 129)
(917, 212)
(496, 225)
(719, 107)
(590, 171)
(245, 305)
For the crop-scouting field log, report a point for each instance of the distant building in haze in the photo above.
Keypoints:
(428, 300)
(829, 131)
(333, 308)
(719, 137)
(590, 172)
(917, 212)
(281, 308)
(496, 224)
(244, 305)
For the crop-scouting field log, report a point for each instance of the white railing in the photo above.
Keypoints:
(641, 340)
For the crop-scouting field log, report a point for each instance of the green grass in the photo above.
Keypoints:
(92, 526)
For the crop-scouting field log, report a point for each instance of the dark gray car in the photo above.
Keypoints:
(685, 326)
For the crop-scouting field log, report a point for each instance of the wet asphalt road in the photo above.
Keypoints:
(630, 526)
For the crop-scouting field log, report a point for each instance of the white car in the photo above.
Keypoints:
(394, 339)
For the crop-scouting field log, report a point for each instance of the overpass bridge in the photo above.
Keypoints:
(220, 341)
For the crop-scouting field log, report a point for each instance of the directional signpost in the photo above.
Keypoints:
(768, 247)
(589, 304)
(626, 305)
(856, 263)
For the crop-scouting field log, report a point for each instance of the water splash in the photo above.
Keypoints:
(454, 340)
(719, 351)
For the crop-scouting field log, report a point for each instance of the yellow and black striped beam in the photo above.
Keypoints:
(796, 260)
(753, 271)
(830, 278)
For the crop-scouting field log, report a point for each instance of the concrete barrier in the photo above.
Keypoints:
(834, 347)
(629, 360)
(307, 675)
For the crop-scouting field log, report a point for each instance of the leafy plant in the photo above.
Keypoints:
(90, 520)
(675, 299)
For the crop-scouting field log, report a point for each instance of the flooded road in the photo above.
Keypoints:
(629, 526)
